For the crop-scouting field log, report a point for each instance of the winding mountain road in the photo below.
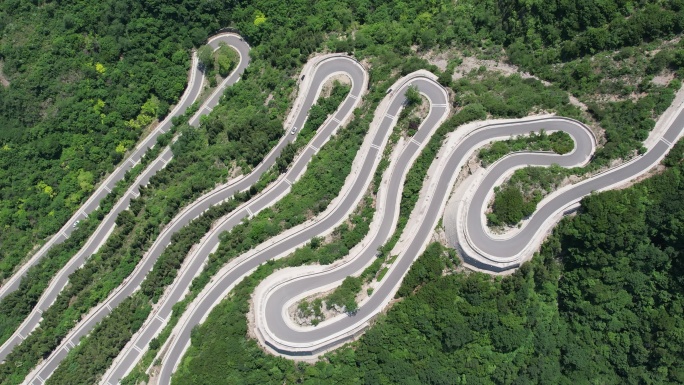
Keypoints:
(497, 254)
(273, 297)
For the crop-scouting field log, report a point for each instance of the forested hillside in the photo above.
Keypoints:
(601, 303)
(83, 76)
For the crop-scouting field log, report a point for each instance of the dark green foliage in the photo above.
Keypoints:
(425, 269)
(533, 184)
(558, 142)
(87, 361)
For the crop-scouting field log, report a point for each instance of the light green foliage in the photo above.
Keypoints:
(205, 55)
(412, 96)
(259, 18)
(345, 295)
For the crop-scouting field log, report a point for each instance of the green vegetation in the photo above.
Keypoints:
(413, 97)
(423, 273)
(509, 207)
(510, 204)
(219, 62)
(311, 310)
(96, 352)
(344, 237)
(479, 95)
(77, 80)
(518, 197)
(345, 296)
(18, 304)
(427, 268)
(559, 142)
(460, 317)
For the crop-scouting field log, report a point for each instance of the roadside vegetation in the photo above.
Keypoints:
(78, 80)
(517, 198)
(559, 142)
(217, 63)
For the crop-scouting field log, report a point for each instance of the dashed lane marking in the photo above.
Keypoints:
(666, 141)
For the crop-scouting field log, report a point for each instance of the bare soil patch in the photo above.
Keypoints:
(3, 79)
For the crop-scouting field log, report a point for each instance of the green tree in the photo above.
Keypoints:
(413, 97)
(205, 54)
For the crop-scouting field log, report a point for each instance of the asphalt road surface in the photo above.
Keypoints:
(276, 326)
